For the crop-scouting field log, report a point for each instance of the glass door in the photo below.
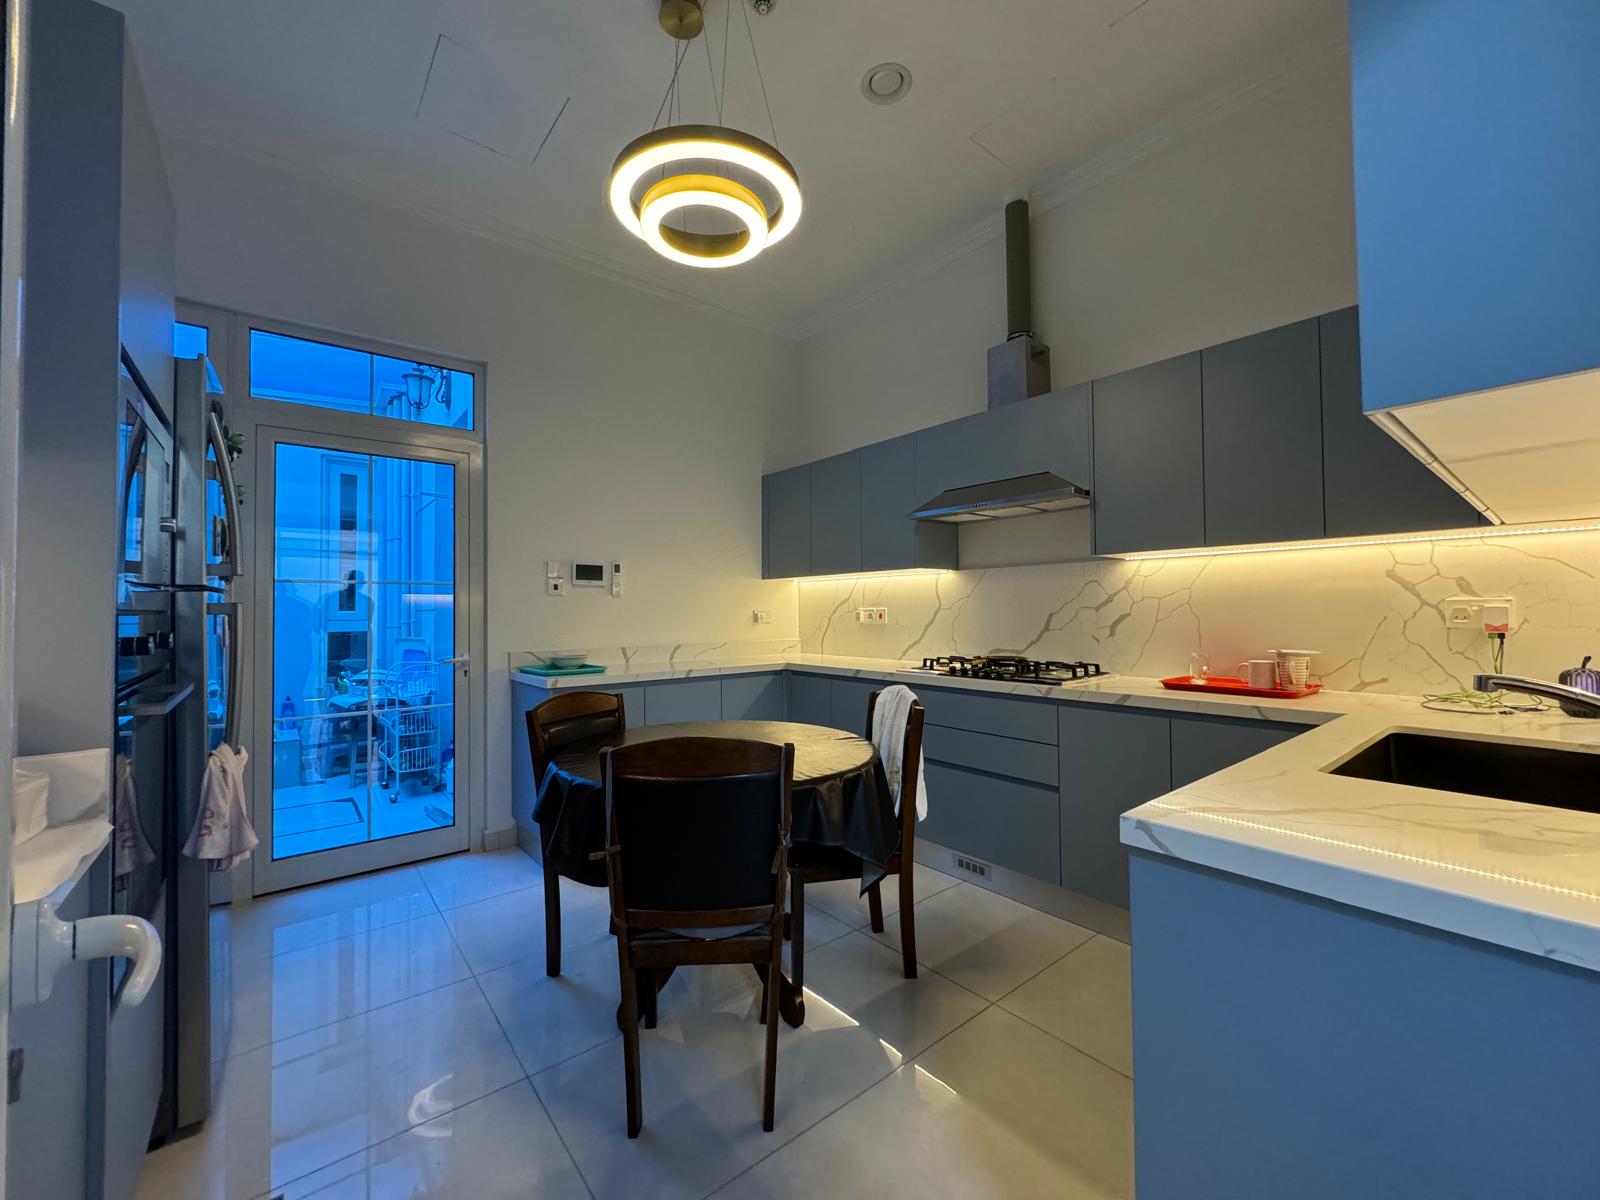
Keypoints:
(365, 666)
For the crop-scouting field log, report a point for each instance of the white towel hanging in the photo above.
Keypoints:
(889, 719)
(222, 831)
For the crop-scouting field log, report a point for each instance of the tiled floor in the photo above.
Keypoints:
(396, 1036)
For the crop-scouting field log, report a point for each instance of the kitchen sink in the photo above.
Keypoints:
(1527, 774)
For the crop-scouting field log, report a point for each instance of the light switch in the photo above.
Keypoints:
(555, 586)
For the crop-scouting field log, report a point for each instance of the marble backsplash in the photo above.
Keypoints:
(1375, 612)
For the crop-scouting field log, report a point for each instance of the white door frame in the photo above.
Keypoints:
(270, 875)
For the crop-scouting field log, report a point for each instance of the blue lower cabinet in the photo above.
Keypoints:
(1202, 746)
(810, 699)
(1111, 760)
(753, 697)
(1006, 822)
(848, 703)
(682, 700)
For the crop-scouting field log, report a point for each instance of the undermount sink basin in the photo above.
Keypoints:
(1567, 779)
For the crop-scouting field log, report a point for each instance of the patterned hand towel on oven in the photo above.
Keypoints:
(222, 832)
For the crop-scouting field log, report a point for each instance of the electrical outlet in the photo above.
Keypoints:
(1491, 614)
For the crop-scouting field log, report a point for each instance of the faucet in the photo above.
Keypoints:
(1538, 687)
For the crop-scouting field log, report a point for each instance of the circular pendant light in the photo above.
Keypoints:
(669, 165)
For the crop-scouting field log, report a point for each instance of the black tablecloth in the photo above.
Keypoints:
(841, 795)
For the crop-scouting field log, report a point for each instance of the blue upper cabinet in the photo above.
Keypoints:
(786, 523)
(1477, 180)
(1261, 406)
(891, 540)
(836, 514)
(1149, 475)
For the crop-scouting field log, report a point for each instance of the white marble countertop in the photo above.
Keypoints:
(1133, 690)
(1517, 875)
(1521, 876)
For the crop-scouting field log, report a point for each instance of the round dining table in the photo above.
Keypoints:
(840, 799)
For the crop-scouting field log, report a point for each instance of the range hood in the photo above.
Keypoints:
(1019, 367)
(1020, 497)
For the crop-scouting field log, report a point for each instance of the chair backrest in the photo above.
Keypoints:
(571, 717)
(911, 761)
(699, 831)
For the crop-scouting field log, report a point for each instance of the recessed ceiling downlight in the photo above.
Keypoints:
(886, 83)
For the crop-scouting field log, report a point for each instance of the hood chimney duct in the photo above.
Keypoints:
(1019, 367)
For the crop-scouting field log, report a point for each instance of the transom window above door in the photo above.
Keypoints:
(302, 371)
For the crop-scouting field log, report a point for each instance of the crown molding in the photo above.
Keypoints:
(1085, 177)
(549, 249)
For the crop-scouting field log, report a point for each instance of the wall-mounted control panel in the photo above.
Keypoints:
(560, 574)
(588, 573)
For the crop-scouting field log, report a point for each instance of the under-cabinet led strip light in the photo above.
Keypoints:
(1382, 539)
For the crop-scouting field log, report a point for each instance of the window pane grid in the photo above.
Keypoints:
(296, 370)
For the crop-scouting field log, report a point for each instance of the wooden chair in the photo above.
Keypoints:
(697, 858)
(822, 864)
(552, 726)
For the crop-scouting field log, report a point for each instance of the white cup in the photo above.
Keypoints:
(1259, 672)
(1294, 666)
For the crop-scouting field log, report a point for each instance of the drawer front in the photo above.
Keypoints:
(810, 700)
(682, 700)
(753, 698)
(1011, 757)
(1201, 747)
(1006, 822)
(1031, 720)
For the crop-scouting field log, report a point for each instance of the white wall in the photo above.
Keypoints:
(619, 424)
(1232, 227)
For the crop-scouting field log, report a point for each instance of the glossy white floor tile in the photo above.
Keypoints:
(509, 927)
(997, 1109)
(1086, 999)
(264, 1000)
(501, 1147)
(549, 1020)
(298, 1105)
(383, 1032)
(468, 878)
(295, 920)
(702, 1077)
(865, 980)
(842, 899)
(986, 942)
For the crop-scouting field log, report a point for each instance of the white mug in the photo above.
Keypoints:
(1294, 666)
(1259, 672)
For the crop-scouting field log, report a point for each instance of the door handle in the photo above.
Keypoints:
(42, 944)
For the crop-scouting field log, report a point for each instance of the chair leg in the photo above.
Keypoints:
(769, 1098)
(908, 922)
(552, 919)
(649, 989)
(797, 933)
(875, 908)
(629, 982)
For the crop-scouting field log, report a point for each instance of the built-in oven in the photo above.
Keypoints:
(147, 691)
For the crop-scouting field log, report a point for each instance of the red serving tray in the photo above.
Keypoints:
(1231, 685)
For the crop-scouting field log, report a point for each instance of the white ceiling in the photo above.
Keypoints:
(1008, 95)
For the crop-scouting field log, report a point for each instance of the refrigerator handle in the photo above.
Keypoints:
(230, 645)
(230, 494)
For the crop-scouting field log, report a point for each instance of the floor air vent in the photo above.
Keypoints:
(973, 867)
